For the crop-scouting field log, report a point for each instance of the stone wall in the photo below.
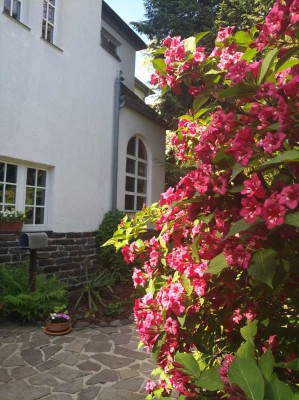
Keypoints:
(66, 256)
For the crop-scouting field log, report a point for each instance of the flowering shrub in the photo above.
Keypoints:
(57, 318)
(220, 277)
(12, 216)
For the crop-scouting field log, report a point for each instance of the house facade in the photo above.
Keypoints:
(76, 141)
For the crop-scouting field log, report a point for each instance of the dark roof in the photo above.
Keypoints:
(131, 100)
(120, 26)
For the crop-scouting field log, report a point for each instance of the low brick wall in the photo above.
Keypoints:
(66, 256)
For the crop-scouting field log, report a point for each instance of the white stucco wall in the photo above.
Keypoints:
(56, 110)
(153, 136)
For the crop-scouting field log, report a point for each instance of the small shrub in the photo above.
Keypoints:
(19, 303)
(108, 258)
(113, 309)
(92, 289)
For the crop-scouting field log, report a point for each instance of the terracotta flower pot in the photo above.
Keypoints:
(14, 226)
(60, 328)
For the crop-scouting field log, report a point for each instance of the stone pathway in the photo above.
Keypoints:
(89, 363)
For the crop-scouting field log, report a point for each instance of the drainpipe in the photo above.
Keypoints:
(117, 106)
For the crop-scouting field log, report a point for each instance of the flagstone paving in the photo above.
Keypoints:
(90, 363)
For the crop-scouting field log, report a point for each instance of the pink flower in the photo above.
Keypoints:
(253, 187)
(150, 386)
(251, 209)
(290, 196)
(237, 316)
(138, 278)
(237, 256)
(127, 252)
(236, 73)
(224, 33)
(272, 141)
(273, 213)
(171, 326)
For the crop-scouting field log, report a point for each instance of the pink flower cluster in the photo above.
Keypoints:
(228, 187)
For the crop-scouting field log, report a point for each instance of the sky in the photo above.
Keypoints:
(133, 10)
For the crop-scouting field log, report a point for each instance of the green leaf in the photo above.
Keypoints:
(286, 156)
(294, 364)
(199, 101)
(292, 219)
(263, 266)
(249, 54)
(266, 364)
(238, 90)
(241, 226)
(201, 35)
(214, 72)
(287, 64)
(277, 390)
(189, 363)
(286, 57)
(242, 37)
(157, 346)
(190, 44)
(210, 379)
(245, 373)
(249, 331)
(201, 112)
(206, 218)
(217, 265)
(237, 168)
(266, 65)
(246, 350)
(160, 65)
(186, 284)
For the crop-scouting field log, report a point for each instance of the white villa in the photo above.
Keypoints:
(77, 139)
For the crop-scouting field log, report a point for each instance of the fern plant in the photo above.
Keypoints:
(19, 303)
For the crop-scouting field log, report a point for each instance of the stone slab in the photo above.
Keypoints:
(21, 390)
(118, 394)
(89, 366)
(138, 355)
(32, 356)
(98, 347)
(76, 346)
(67, 374)
(4, 377)
(66, 357)
(23, 372)
(132, 385)
(43, 379)
(71, 388)
(89, 393)
(107, 375)
(113, 362)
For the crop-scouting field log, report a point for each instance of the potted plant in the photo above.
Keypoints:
(11, 220)
(58, 323)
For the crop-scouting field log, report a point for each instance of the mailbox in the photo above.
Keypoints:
(33, 241)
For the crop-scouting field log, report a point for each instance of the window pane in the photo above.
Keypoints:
(40, 197)
(29, 215)
(7, 6)
(141, 186)
(129, 203)
(131, 147)
(10, 194)
(130, 166)
(142, 169)
(39, 215)
(140, 202)
(50, 33)
(30, 196)
(11, 173)
(51, 12)
(45, 10)
(1, 193)
(41, 178)
(141, 150)
(130, 184)
(16, 10)
(2, 168)
(31, 176)
(44, 29)
(52, 2)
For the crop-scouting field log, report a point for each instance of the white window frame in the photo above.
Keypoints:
(21, 186)
(47, 22)
(136, 176)
(12, 2)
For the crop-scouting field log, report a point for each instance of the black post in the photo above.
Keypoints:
(32, 270)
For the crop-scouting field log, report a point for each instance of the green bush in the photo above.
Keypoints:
(108, 258)
(19, 303)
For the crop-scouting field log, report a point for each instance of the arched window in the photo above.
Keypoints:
(136, 175)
